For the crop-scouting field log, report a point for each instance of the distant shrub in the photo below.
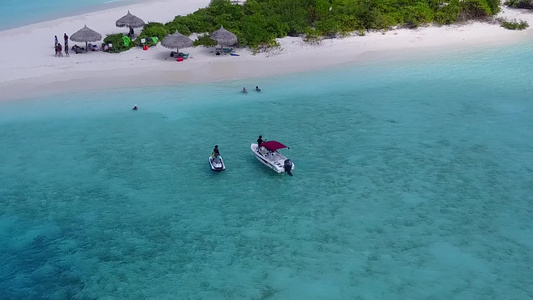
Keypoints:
(494, 6)
(150, 30)
(177, 27)
(348, 23)
(474, 9)
(514, 24)
(528, 4)
(117, 41)
(416, 15)
(204, 40)
(447, 14)
(327, 27)
(312, 36)
(257, 23)
(383, 21)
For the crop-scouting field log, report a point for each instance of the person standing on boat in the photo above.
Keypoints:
(260, 140)
(216, 153)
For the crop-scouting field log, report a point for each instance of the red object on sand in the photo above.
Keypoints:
(179, 59)
(145, 47)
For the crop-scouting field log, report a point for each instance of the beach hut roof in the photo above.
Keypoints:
(224, 37)
(130, 20)
(176, 40)
(86, 34)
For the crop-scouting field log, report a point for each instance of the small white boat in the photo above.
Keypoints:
(217, 163)
(268, 154)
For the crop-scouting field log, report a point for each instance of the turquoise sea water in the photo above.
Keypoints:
(412, 181)
(14, 13)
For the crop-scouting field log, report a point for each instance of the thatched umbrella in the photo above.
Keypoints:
(130, 21)
(224, 37)
(176, 40)
(86, 35)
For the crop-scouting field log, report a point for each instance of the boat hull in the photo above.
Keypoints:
(272, 159)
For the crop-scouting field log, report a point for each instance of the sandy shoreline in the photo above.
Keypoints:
(30, 69)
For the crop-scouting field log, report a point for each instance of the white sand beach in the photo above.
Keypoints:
(28, 67)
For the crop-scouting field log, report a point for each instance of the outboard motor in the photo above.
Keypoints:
(287, 165)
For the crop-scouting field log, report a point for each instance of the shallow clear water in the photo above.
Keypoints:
(14, 13)
(412, 181)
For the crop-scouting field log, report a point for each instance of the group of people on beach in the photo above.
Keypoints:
(59, 48)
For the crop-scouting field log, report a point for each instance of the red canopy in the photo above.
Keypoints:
(273, 145)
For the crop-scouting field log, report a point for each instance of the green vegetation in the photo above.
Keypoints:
(118, 43)
(150, 30)
(528, 4)
(204, 40)
(514, 24)
(258, 23)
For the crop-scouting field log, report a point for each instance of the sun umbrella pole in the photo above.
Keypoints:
(86, 47)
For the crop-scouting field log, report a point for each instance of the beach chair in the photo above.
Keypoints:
(181, 54)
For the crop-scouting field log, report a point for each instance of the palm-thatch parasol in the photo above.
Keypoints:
(130, 21)
(176, 40)
(86, 35)
(224, 37)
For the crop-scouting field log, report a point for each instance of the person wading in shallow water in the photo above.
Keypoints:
(135, 107)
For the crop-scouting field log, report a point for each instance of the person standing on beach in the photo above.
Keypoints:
(65, 37)
(57, 42)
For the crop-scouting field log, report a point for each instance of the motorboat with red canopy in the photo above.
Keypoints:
(267, 153)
